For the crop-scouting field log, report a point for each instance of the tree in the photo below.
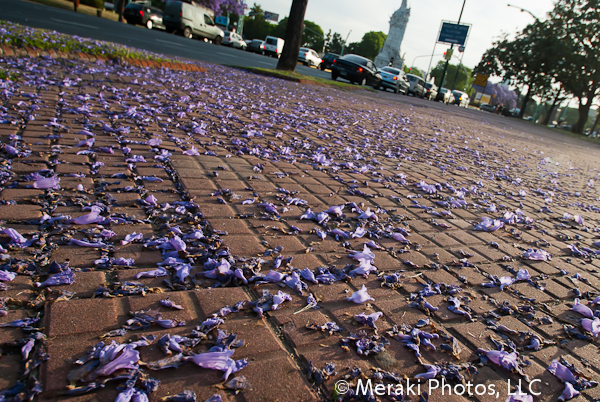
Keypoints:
(461, 79)
(255, 25)
(312, 34)
(369, 46)
(528, 60)
(225, 6)
(335, 44)
(293, 36)
(576, 22)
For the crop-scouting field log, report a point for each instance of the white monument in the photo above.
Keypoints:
(390, 53)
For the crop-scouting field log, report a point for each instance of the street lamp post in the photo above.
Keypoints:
(524, 10)
(344, 44)
(452, 46)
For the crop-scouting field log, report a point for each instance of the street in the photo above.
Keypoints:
(46, 17)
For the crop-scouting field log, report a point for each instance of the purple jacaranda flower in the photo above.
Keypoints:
(151, 200)
(7, 276)
(92, 217)
(154, 142)
(66, 277)
(364, 268)
(248, 201)
(523, 275)
(15, 237)
(238, 273)
(309, 215)
(536, 255)
(274, 276)
(308, 275)
(489, 225)
(432, 372)
(369, 320)
(132, 237)
(455, 307)
(335, 210)
(171, 304)
(501, 358)
(47, 182)
(85, 243)
(124, 262)
(25, 322)
(561, 372)
(152, 274)
(519, 396)
(177, 243)
(221, 361)
(596, 300)
(279, 298)
(358, 233)
(400, 237)
(582, 309)
(569, 393)
(125, 396)
(26, 349)
(366, 254)
(169, 323)
(368, 215)
(578, 219)
(339, 232)
(428, 188)
(592, 326)
(128, 359)
(193, 151)
(506, 281)
(182, 271)
(360, 296)
(85, 143)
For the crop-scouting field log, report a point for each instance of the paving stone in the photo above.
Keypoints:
(83, 316)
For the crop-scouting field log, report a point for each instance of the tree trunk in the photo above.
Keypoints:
(549, 115)
(293, 36)
(525, 101)
(595, 122)
(121, 8)
(584, 111)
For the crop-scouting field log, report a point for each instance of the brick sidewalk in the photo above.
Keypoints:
(271, 140)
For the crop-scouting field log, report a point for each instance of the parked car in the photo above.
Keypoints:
(141, 14)
(487, 107)
(394, 79)
(445, 95)
(328, 60)
(256, 46)
(234, 40)
(416, 85)
(192, 20)
(357, 70)
(431, 90)
(273, 46)
(461, 98)
(309, 57)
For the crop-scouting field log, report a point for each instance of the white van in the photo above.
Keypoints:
(273, 46)
(192, 20)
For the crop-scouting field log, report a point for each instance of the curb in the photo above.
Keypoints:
(10, 51)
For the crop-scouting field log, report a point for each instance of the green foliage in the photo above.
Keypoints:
(335, 43)
(99, 4)
(415, 71)
(255, 26)
(312, 35)
(462, 79)
(369, 46)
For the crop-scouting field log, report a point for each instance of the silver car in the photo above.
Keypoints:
(394, 79)
(461, 99)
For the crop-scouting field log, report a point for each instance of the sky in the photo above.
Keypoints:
(489, 19)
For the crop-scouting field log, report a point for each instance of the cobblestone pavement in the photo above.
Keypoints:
(415, 179)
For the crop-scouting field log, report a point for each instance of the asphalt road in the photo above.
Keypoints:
(68, 22)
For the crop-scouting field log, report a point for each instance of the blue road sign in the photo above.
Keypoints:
(454, 33)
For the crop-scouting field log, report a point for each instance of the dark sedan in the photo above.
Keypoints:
(328, 60)
(356, 69)
(256, 46)
(141, 14)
